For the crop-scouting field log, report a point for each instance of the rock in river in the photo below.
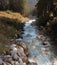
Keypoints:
(46, 43)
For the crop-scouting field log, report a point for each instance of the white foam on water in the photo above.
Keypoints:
(37, 50)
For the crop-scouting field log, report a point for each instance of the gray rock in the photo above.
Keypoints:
(7, 58)
(41, 37)
(46, 43)
(31, 60)
(22, 54)
(1, 61)
(25, 48)
(16, 55)
(32, 63)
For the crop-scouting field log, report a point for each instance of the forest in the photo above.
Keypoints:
(47, 17)
(28, 32)
(15, 5)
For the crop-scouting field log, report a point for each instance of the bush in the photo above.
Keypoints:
(15, 23)
(42, 21)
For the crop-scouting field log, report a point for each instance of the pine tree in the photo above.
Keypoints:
(19, 6)
(15, 5)
(47, 17)
(44, 7)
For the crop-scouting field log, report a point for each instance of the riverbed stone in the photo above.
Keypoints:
(7, 58)
(22, 54)
(24, 46)
(46, 43)
(19, 40)
(41, 37)
(16, 54)
(1, 61)
(32, 63)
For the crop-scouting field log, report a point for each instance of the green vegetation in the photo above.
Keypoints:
(47, 17)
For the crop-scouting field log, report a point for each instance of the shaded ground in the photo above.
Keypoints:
(11, 24)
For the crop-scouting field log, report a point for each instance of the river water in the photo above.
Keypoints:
(38, 52)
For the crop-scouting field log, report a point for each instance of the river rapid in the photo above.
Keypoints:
(39, 48)
(40, 53)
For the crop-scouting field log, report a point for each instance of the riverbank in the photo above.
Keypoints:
(16, 54)
(16, 51)
(11, 26)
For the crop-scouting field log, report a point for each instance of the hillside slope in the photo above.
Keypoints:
(13, 15)
(11, 24)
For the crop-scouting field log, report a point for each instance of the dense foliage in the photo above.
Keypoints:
(47, 17)
(15, 5)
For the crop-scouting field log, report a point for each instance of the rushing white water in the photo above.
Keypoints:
(38, 52)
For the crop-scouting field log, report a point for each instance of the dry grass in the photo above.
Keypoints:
(13, 15)
(9, 23)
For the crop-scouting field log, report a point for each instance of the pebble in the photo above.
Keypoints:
(32, 64)
(41, 37)
(1, 61)
(31, 60)
(46, 43)
(16, 55)
(18, 40)
(12, 46)
(5, 63)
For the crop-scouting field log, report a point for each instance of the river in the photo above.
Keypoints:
(41, 54)
(38, 52)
